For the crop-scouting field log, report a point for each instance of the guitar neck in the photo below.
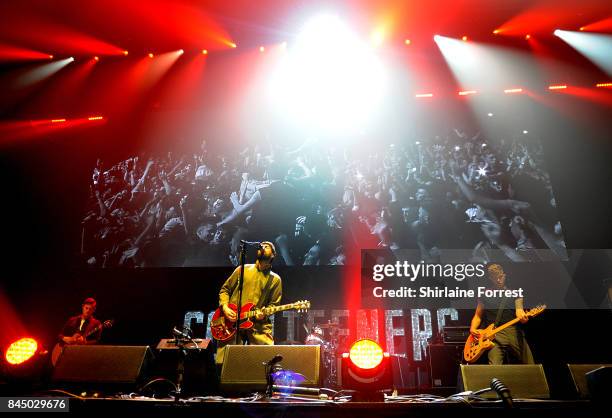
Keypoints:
(270, 310)
(504, 326)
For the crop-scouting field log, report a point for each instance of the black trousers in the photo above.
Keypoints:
(510, 348)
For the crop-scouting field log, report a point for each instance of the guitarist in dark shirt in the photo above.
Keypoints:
(510, 344)
(77, 326)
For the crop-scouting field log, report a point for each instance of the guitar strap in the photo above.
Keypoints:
(500, 310)
(265, 291)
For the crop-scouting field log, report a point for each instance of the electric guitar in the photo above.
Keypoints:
(59, 347)
(223, 329)
(475, 347)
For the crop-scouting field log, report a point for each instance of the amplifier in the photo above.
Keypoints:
(455, 335)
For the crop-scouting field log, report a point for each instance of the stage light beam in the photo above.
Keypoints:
(594, 46)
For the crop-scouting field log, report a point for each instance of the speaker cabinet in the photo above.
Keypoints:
(444, 360)
(579, 372)
(523, 380)
(94, 365)
(243, 369)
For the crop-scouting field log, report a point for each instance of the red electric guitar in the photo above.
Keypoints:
(223, 329)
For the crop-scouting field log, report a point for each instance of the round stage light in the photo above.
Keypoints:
(366, 354)
(21, 351)
(330, 81)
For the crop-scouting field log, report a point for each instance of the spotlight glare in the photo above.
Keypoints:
(204, 52)
(582, 28)
(557, 87)
(436, 38)
(71, 59)
(21, 351)
(151, 55)
(418, 95)
(262, 49)
(95, 118)
(464, 38)
(490, 114)
(329, 79)
(513, 91)
(96, 58)
(600, 85)
(232, 45)
(527, 37)
(467, 92)
(58, 120)
(181, 52)
(496, 32)
(557, 32)
(125, 53)
(50, 56)
(407, 41)
(525, 132)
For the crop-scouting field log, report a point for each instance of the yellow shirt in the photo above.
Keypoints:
(252, 288)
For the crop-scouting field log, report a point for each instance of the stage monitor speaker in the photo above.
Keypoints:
(243, 368)
(101, 365)
(579, 372)
(444, 360)
(523, 380)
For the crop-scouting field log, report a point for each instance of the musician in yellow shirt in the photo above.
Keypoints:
(262, 287)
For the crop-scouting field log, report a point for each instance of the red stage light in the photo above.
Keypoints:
(125, 53)
(407, 41)
(419, 95)
(181, 51)
(204, 52)
(582, 28)
(232, 45)
(95, 118)
(527, 37)
(97, 58)
(262, 49)
(50, 56)
(464, 38)
(366, 354)
(58, 120)
(21, 351)
(496, 31)
(604, 85)
(467, 92)
(513, 91)
(557, 87)
(151, 55)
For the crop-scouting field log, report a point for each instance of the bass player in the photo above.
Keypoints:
(510, 345)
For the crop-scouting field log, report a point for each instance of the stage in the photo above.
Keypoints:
(400, 406)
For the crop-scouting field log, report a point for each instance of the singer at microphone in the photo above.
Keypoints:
(262, 287)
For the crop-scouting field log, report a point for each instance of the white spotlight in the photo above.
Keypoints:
(329, 79)
(525, 132)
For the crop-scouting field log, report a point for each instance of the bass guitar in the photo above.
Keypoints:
(475, 347)
(59, 347)
(223, 329)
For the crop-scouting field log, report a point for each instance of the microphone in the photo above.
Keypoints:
(181, 334)
(502, 391)
(250, 242)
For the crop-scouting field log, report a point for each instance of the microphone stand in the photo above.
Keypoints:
(180, 367)
(240, 284)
